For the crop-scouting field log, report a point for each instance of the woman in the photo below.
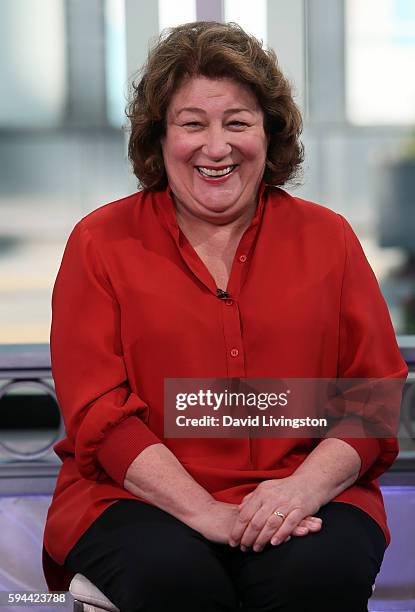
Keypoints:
(213, 271)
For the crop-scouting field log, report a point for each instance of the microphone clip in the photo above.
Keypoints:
(222, 295)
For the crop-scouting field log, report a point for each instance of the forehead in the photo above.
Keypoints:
(207, 93)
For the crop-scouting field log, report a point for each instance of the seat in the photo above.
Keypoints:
(87, 597)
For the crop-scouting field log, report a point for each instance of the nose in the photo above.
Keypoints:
(216, 145)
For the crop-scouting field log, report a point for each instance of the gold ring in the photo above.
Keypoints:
(280, 514)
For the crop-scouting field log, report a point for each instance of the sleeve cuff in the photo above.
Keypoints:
(368, 450)
(122, 444)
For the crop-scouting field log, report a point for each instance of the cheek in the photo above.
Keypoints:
(178, 148)
(255, 148)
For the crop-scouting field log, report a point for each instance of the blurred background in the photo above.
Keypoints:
(65, 68)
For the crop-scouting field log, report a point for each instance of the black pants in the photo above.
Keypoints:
(144, 559)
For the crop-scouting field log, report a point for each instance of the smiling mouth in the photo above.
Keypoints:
(211, 173)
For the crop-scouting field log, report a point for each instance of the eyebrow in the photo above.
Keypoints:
(229, 111)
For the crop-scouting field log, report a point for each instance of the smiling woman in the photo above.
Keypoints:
(213, 271)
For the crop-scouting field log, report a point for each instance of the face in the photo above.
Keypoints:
(214, 125)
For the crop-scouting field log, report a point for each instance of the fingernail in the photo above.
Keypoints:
(243, 548)
(275, 541)
(257, 548)
(233, 543)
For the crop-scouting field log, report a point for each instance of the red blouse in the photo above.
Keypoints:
(134, 304)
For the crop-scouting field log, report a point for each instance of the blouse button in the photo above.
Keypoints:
(234, 352)
(229, 302)
(242, 258)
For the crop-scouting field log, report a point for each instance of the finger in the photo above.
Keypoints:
(246, 499)
(289, 524)
(263, 522)
(271, 525)
(312, 524)
(237, 531)
(245, 514)
(308, 525)
(309, 521)
(247, 510)
(305, 526)
(300, 530)
(314, 527)
(314, 519)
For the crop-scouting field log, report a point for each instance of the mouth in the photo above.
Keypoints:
(216, 174)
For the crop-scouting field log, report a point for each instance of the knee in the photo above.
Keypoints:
(175, 579)
(330, 575)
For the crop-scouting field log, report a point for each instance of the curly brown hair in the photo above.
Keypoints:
(213, 50)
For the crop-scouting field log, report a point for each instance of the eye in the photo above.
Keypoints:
(238, 123)
(191, 123)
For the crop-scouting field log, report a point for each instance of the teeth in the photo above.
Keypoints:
(210, 172)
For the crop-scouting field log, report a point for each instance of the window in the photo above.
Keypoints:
(252, 17)
(115, 62)
(32, 64)
(380, 60)
(175, 13)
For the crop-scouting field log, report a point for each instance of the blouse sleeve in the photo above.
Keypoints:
(104, 420)
(367, 349)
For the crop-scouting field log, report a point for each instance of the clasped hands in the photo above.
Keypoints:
(254, 523)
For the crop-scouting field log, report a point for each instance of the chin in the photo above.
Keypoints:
(219, 203)
(219, 195)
